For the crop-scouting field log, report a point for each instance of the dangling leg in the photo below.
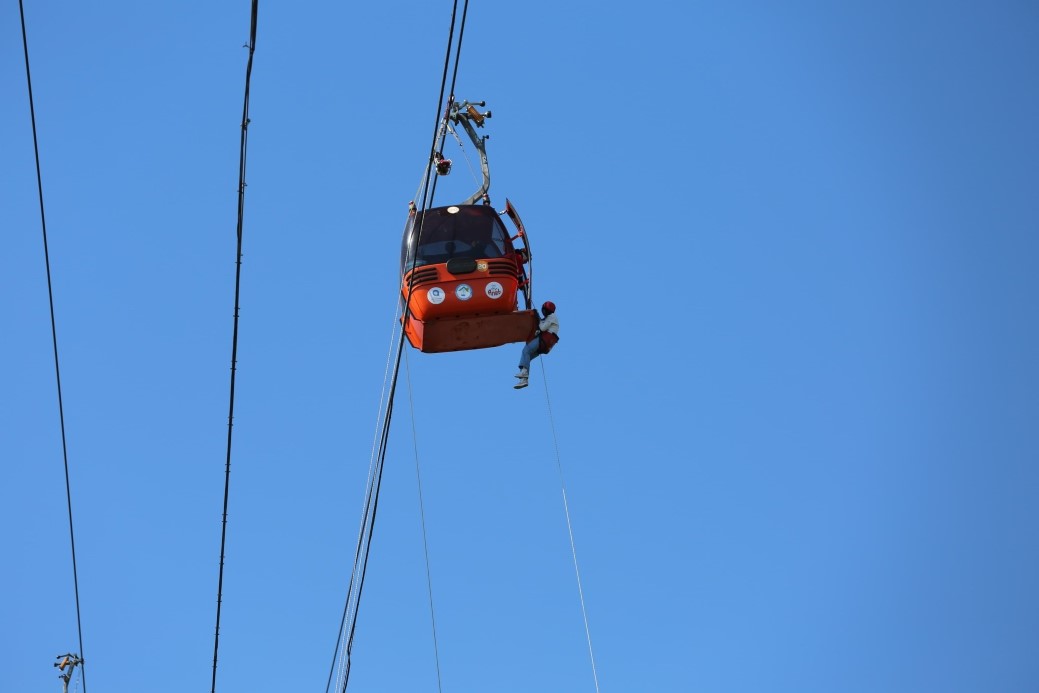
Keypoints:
(529, 352)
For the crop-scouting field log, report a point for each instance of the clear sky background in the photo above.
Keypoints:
(794, 251)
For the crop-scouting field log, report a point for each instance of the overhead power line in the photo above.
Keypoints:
(54, 339)
(234, 338)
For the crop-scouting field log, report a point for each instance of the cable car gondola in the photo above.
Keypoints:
(461, 271)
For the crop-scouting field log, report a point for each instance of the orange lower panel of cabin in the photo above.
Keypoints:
(471, 331)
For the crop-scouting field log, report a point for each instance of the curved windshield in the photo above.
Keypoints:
(472, 231)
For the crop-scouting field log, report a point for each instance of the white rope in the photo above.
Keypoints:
(421, 185)
(422, 515)
(382, 393)
(465, 154)
(569, 526)
(441, 134)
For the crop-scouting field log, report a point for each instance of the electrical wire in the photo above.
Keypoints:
(234, 339)
(569, 525)
(54, 339)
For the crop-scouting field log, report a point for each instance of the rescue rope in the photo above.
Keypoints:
(438, 145)
(569, 525)
(54, 339)
(234, 338)
(422, 515)
(465, 155)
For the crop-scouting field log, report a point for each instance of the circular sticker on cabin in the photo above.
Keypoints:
(464, 292)
(494, 290)
(436, 295)
(481, 266)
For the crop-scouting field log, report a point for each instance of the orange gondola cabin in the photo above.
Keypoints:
(462, 273)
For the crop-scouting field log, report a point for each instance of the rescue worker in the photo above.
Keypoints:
(545, 338)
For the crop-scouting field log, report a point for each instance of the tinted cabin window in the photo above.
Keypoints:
(474, 231)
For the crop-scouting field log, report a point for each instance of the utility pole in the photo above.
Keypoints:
(69, 661)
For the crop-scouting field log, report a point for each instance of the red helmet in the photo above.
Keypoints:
(548, 307)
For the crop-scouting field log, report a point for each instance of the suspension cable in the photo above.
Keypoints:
(234, 338)
(341, 660)
(368, 482)
(439, 133)
(54, 340)
(569, 526)
(360, 565)
(458, 51)
(422, 516)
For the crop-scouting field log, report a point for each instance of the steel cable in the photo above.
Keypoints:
(345, 639)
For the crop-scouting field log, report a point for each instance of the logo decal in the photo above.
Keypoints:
(436, 295)
(464, 292)
(494, 290)
(481, 266)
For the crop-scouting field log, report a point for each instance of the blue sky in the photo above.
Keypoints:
(794, 254)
